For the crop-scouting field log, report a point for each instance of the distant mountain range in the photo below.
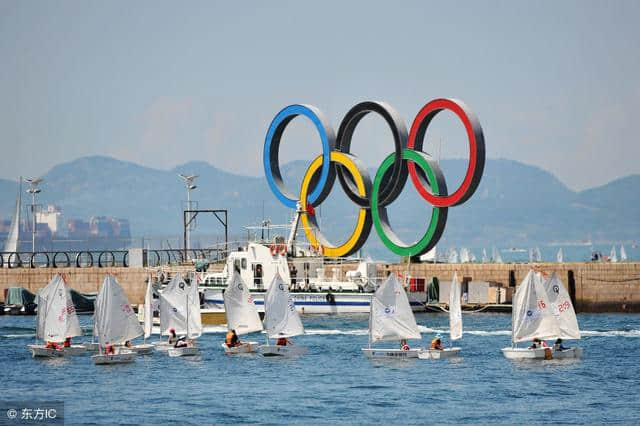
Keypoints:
(515, 204)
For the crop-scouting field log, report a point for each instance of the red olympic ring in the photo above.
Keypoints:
(476, 151)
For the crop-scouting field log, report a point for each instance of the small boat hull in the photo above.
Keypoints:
(243, 348)
(119, 358)
(183, 351)
(75, 350)
(439, 354)
(391, 353)
(568, 353)
(40, 351)
(162, 346)
(276, 350)
(92, 346)
(527, 353)
(143, 349)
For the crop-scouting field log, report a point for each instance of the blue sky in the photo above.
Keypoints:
(555, 84)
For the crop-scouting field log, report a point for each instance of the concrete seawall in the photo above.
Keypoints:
(594, 286)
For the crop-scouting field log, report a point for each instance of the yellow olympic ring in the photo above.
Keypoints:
(363, 224)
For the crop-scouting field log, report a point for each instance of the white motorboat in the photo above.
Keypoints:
(180, 310)
(281, 320)
(391, 319)
(318, 288)
(531, 318)
(114, 324)
(242, 315)
(56, 320)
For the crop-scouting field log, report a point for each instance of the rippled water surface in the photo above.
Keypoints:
(335, 383)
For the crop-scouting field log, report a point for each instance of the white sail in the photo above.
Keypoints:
(148, 309)
(613, 257)
(281, 318)
(241, 312)
(623, 254)
(391, 316)
(538, 254)
(455, 309)
(497, 257)
(531, 314)
(57, 318)
(464, 255)
(562, 309)
(485, 259)
(115, 320)
(180, 308)
(11, 244)
(453, 256)
(560, 256)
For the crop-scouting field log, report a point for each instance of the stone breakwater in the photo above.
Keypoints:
(594, 286)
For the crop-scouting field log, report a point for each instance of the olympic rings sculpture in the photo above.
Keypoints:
(372, 197)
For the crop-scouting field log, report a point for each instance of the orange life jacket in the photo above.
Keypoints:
(436, 344)
(229, 339)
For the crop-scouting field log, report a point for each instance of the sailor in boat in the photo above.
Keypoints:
(557, 346)
(128, 344)
(404, 345)
(109, 350)
(53, 345)
(436, 343)
(283, 341)
(67, 342)
(232, 339)
(537, 343)
(173, 338)
(183, 342)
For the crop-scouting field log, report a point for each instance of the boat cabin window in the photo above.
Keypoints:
(244, 263)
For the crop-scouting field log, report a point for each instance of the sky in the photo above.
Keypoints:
(159, 83)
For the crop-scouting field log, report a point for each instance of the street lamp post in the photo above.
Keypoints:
(33, 190)
(189, 182)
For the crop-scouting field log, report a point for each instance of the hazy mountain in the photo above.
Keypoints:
(515, 204)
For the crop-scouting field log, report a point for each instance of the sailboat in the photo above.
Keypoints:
(281, 319)
(146, 348)
(485, 259)
(455, 325)
(531, 317)
(623, 254)
(11, 244)
(115, 323)
(180, 310)
(497, 257)
(56, 320)
(242, 315)
(565, 315)
(391, 319)
(560, 256)
(613, 257)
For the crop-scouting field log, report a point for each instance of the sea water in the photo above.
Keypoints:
(335, 383)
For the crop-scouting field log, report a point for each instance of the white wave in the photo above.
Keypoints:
(17, 336)
(611, 333)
